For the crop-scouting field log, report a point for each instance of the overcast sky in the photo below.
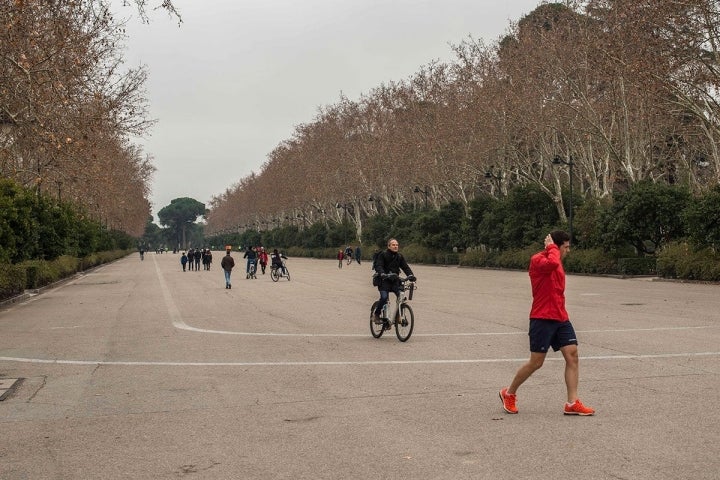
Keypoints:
(236, 77)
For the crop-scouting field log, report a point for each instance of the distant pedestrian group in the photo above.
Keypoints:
(347, 255)
(194, 258)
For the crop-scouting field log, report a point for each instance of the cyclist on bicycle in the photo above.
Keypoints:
(276, 259)
(388, 265)
(251, 256)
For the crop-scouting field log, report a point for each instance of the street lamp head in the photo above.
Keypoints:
(488, 175)
(371, 199)
(557, 160)
(416, 189)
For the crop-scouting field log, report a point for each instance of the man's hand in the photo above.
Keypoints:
(548, 240)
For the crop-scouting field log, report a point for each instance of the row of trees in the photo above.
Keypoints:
(625, 91)
(68, 108)
(646, 218)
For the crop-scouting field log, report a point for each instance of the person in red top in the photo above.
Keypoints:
(549, 325)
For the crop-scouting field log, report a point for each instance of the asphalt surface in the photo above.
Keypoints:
(140, 371)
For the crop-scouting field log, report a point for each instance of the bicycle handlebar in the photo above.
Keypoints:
(392, 276)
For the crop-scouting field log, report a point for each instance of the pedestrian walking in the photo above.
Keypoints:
(198, 256)
(227, 264)
(191, 258)
(549, 325)
(263, 257)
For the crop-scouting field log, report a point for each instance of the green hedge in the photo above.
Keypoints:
(679, 260)
(12, 280)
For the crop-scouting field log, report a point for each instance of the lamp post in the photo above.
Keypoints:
(424, 192)
(559, 161)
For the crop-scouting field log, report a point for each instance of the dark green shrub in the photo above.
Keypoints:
(31, 276)
(702, 219)
(647, 217)
(590, 261)
(637, 265)
(12, 280)
(442, 229)
(418, 254)
(516, 259)
(40, 273)
(678, 260)
(476, 257)
(522, 218)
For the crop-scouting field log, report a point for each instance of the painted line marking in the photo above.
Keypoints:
(342, 363)
(183, 326)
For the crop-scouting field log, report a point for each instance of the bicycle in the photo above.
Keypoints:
(403, 316)
(277, 272)
(251, 271)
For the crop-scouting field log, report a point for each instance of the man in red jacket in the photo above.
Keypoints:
(549, 324)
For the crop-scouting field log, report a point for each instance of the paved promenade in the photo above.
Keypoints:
(140, 371)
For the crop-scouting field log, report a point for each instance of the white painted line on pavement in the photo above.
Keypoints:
(183, 326)
(343, 363)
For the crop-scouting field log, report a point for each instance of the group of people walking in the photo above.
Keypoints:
(254, 255)
(347, 254)
(194, 258)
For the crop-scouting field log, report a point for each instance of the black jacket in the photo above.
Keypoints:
(391, 262)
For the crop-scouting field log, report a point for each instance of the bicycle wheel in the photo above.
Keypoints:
(405, 321)
(274, 274)
(375, 329)
(287, 273)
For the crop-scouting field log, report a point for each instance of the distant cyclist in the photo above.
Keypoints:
(387, 265)
(276, 261)
(251, 255)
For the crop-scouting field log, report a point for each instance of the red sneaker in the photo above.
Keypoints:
(508, 401)
(577, 408)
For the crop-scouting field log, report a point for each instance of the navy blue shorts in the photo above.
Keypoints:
(550, 333)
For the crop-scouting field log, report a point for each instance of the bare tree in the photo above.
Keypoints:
(67, 108)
